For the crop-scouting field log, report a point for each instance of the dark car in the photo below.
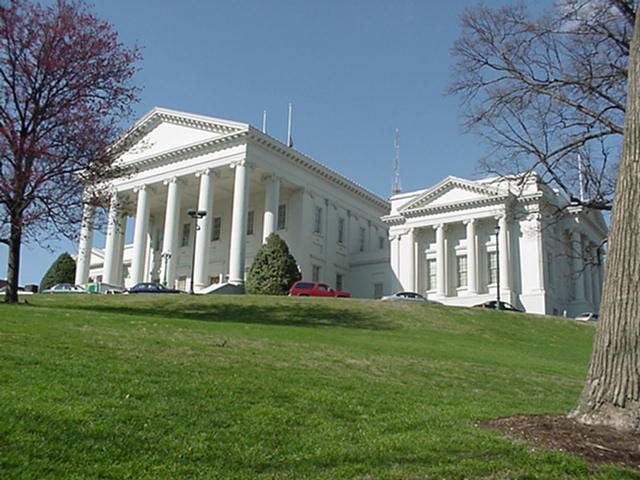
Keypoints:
(503, 306)
(150, 287)
(315, 289)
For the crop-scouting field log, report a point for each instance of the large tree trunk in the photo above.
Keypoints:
(13, 269)
(611, 394)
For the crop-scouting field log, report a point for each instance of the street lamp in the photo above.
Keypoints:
(166, 256)
(497, 230)
(195, 215)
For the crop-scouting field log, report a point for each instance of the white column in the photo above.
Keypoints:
(203, 233)
(578, 265)
(441, 259)
(503, 241)
(138, 261)
(238, 222)
(395, 259)
(85, 245)
(118, 275)
(271, 201)
(472, 258)
(111, 243)
(410, 267)
(170, 236)
(587, 275)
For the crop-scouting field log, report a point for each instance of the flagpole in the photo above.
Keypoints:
(264, 121)
(289, 138)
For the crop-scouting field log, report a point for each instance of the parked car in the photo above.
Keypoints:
(65, 288)
(587, 317)
(503, 306)
(406, 297)
(150, 287)
(315, 289)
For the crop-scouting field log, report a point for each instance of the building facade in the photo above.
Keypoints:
(455, 242)
(250, 185)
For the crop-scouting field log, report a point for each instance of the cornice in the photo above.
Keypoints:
(316, 167)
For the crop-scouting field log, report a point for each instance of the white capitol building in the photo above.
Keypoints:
(440, 241)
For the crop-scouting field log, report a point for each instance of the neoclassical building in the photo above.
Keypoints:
(454, 242)
(250, 185)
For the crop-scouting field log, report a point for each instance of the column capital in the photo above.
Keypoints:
(139, 188)
(174, 179)
(242, 162)
(439, 226)
(270, 177)
(207, 171)
(469, 221)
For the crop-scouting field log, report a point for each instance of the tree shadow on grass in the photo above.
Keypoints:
(298, 314)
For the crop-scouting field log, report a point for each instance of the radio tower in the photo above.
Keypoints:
(396, 188)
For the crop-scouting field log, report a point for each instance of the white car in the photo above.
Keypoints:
(406, 297)
(65, 288)
(587, 317)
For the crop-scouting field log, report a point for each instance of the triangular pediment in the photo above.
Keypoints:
(450, 191)
(163, 130)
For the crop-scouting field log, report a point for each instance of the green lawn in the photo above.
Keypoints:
(274, 388)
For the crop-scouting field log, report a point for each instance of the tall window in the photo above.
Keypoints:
(362, 238)
(340, 230)
(251, 216)
(317, 223)
(315, 273)
(432, 277)
(492, 261)
(380, 242)
(216, 228)
(282, 216)
(378, 290)
(462, 270)
(339, 281)
(186, 233)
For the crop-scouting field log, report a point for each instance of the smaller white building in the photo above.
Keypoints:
(456, 241)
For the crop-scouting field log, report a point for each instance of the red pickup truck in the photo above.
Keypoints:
(315, 289)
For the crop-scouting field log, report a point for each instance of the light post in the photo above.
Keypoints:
(195, 215)
(497, 230)
(166, 256)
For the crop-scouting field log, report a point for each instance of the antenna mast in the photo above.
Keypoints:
(396, 188)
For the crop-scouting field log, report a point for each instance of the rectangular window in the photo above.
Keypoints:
(216, 228)
(282, 217)
(340, 230)
(339, 280)
(186, 233)
(432, 274)
(380, 242)
(315, 273)
(251, 215)
(378, 290)
(317, 222)
(362, 238)
(462, 270)
(492, 261)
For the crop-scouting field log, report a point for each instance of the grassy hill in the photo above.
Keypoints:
(279, 388)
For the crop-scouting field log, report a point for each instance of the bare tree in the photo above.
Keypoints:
(612, 391)
(547, 93)
(65, 88)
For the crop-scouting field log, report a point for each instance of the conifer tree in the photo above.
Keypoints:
(274, 269)
(63, 270)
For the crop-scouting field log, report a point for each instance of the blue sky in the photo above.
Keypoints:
(355, 71)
